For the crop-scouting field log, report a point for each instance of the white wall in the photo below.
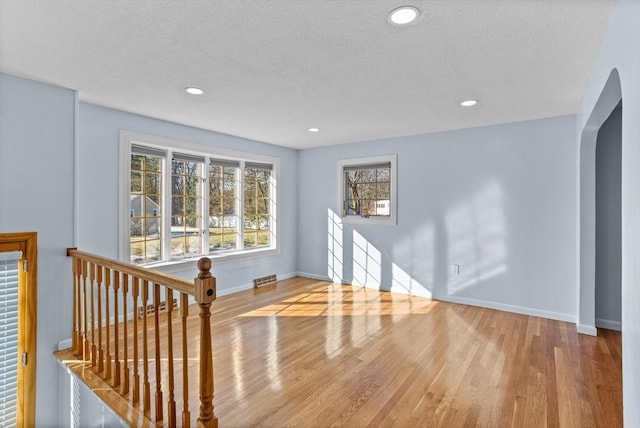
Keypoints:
(80, 406)
(496, 200)
(36, 194)
(608, 223)
(99, 139)
(620, 51)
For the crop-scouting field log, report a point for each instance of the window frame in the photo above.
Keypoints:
(127, 139)
(391, 159)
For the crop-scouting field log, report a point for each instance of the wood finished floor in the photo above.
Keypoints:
(308, 353)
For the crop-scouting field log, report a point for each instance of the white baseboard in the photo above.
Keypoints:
(587, 329)
(231, 290)
(418, 292)
(287, 276)
(509, 308)
(314, 276)
(608, 324)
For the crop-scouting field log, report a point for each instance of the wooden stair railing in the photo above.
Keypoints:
(107, 294)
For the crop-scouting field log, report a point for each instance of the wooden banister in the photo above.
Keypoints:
(177, 284)
(106, 295)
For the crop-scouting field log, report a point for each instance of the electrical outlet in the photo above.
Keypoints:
(455, 269)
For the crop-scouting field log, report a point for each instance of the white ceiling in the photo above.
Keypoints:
(273, 68)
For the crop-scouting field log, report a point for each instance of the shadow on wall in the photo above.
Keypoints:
(471, 237)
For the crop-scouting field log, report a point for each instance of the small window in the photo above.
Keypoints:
(367, 190)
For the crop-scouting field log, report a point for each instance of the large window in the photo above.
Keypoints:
(367, 192)
(185, 201)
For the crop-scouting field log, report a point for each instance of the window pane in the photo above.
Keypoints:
(223, 224)
(215, 206)
(136, 182)
(193, 245)
(192, 187)
(383, 174)
(229, 206)
(383, 191)
(250, 239)
(257, 207)
(144, 209)
(152, 163)
(368, 175)
(263, 222)
(152, 183)
(177, 205)
(177, 244)
(225, 236)
(367, 192)
(136, 162)
(136, 229)
(192, 205)
(230, 173)
(186, 208)
(250, 222)
(152, 252)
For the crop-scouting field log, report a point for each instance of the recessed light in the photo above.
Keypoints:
(193, 90)
(313, 129)
(404, 15)
(469, 103)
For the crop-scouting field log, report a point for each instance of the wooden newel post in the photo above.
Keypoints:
(205, 293)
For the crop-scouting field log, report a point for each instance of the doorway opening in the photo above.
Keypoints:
(599, 132)
(608, 265)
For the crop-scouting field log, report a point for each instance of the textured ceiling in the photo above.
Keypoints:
(273, 68)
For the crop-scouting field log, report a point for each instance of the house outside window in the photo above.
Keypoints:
(185, 201)
(367, 190)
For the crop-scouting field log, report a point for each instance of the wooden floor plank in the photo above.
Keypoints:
(315, 354)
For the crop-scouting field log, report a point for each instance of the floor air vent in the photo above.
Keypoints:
(149, 309)
(265, 281)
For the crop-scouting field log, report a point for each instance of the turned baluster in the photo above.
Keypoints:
(145, 348)
(74, 332)
(100, 348)
(125, 334)
(171, 405)
(136, 376)
(85, 330)
(116, 336)
(156, 319)
(205, 293)
(92, 280)
(107, 284)
(184, 314)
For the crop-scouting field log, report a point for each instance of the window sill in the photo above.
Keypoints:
(182, 265)
(354, 219)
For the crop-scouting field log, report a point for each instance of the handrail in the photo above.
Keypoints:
(94, 277)
(178, 284)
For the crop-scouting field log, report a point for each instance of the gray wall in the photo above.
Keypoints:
(36, 194)
(496, 200)
(608, 274)
(619, 53)
(98, 191)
